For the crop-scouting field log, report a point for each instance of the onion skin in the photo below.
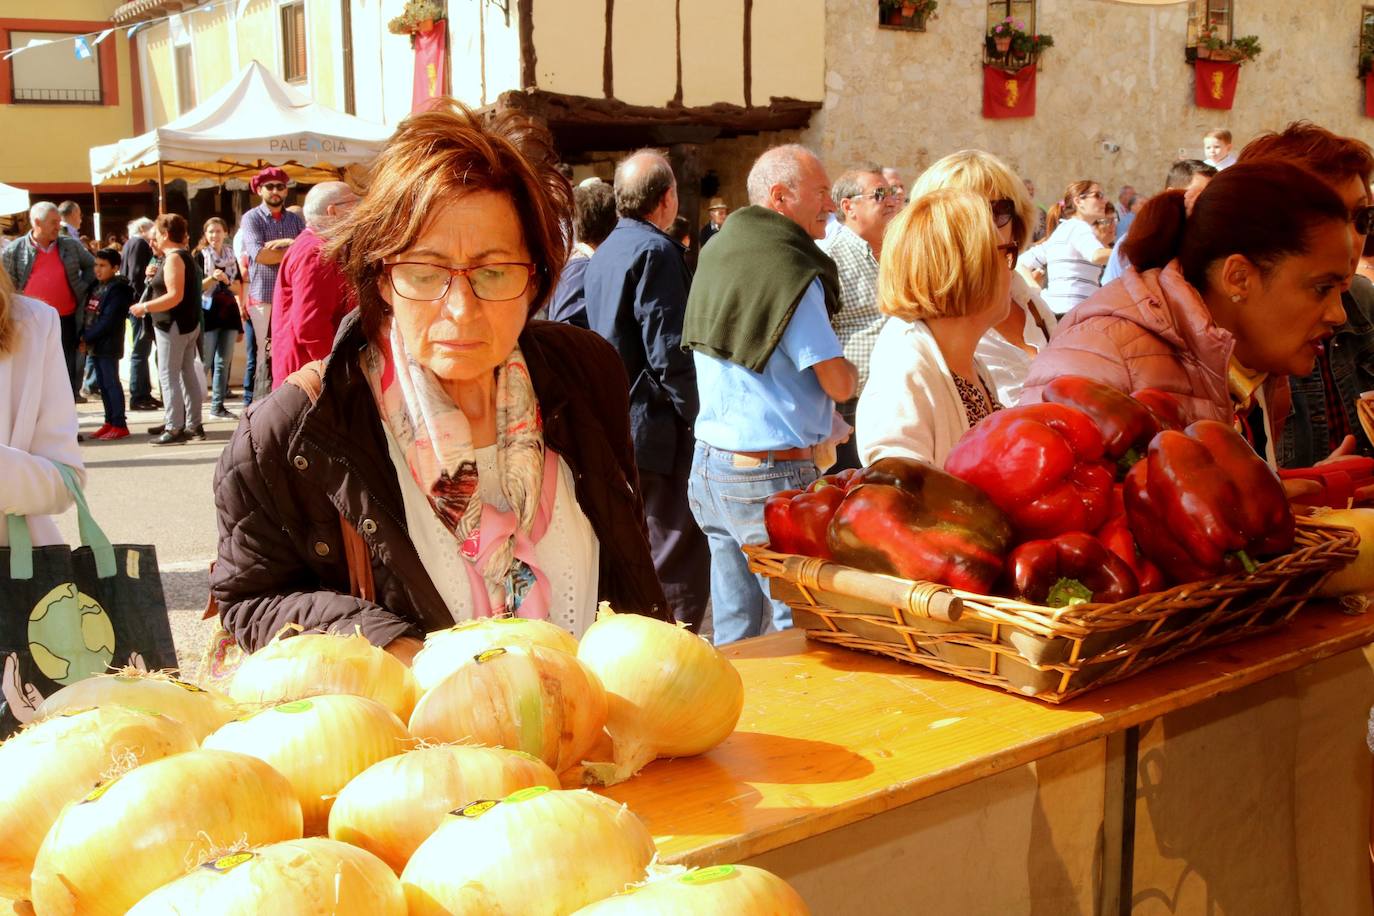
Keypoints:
(1358, 576)
(314, 664)
(446, 650)
(739, 890)
(201, 710)
(318, 744)
(669, 693)
(59, 760)
(545, 854)
(393, 806)
(527, 698)
(313, 875)
(107, 852)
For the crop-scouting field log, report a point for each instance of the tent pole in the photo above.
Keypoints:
(95, 192)
(161, 191)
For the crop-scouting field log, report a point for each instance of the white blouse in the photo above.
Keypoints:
(1007, 364)
(568, 555)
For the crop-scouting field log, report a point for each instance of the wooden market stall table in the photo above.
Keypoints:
(879, 787)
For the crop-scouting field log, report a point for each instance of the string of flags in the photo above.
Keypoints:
(83, 46)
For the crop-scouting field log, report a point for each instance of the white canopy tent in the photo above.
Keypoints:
(254, 121)
(13, 200)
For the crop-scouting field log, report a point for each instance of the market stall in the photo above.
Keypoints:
(13, 200)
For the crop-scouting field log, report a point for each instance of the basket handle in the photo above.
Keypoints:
(924, 599)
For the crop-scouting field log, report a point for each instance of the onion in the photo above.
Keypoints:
(1358, 576)
(740, 890)
(393, 806)
(318, 744)
(201, 710)
(132, 835)
(528, 698)
(313, 875)
(669, 693)
(446, 650)
(538, 853)
(60, 759)
(312, 664)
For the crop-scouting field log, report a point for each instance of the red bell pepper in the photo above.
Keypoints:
(1341, 479)
(1117, 537)
(1165, 406)
(910, 519)
(1073, 568)
(796, 520)
(1042, 464)
(1204, 503)
(1127, 425)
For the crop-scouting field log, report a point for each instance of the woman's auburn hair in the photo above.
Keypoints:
(1067, 206)
(940, 257)
(986, 175)
(434, 157)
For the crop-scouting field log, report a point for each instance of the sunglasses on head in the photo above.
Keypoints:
(1002, 211)
(1363, 219)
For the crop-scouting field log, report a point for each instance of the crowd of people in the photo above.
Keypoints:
(493, 463)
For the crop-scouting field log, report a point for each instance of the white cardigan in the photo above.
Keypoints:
(910, 407)
(37, 423)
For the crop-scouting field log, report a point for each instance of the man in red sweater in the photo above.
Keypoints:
(311, 297)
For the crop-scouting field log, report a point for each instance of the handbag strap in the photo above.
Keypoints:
(21, 543)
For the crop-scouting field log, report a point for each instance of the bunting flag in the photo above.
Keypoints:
(1215, 83)
(430, 49)
(1369, 94)
(82, 48)
(1009, 95)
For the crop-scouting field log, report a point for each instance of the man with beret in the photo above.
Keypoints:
(267, 231)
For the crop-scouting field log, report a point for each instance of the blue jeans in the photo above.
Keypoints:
(250, 341)
(217, 352)
(111, 391)
(727, 502)
(140, 381)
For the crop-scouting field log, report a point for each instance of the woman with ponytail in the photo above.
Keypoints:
(1222, 305)
(1072, 257)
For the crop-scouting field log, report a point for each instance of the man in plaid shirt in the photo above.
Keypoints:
(864, 205)
(267, 231)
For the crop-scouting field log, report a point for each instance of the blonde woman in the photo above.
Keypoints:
(944, 280)
(1007, 349)
(37, 416)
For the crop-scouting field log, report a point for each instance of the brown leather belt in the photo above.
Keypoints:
(753, 459)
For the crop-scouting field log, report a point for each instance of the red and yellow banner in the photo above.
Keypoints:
(430, 50)
(1009, 95)
(1215, 83)
(1369, 94)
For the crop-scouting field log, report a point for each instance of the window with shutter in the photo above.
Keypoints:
(293, 42)
(1017, 10)
(186, 79)
(1209, 16)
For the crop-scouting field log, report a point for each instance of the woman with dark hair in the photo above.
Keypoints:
(1219, 307)
(1072, 257)
(221, 310)
(175, 307)
(483, 459)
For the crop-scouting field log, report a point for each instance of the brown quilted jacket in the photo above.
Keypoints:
(293, 468)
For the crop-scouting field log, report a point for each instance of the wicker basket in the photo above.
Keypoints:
(1051, 654)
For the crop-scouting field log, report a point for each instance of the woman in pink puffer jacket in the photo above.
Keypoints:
(1222, 305)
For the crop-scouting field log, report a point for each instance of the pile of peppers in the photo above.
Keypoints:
(1092, 496)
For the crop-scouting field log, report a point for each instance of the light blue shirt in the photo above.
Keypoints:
(781, 407)
(1116, 264)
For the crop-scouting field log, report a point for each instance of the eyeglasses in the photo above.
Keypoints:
(1009, 251)
(877, 195)
(430, 282)
(272, 186)
(1002, 211)
(1091, 195)
(1363, 219)
(1104, 221)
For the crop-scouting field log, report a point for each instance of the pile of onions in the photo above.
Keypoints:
(527, 698)
(313, 875)
(319, 663)
(58, 760)
(739, 889)
(393, 806)
(318, 744)
(1358, 577)
(669, 693)
(200, 710)
(150, 826)
(538, 853)
(446, 650)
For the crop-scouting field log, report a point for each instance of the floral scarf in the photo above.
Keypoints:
(437, 442)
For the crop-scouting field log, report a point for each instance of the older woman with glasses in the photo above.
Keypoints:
(482, 458)
(1073, 256)
(944, 279)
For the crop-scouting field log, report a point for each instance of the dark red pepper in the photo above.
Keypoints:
(1165, 406)
(1042, 464)
(1204, 503)
(1117, 537)
(1073, 568)
(796, 520)
(910, 519)
(1127, 426)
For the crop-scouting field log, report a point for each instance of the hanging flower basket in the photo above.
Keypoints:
(418, 17)
(906, 14)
